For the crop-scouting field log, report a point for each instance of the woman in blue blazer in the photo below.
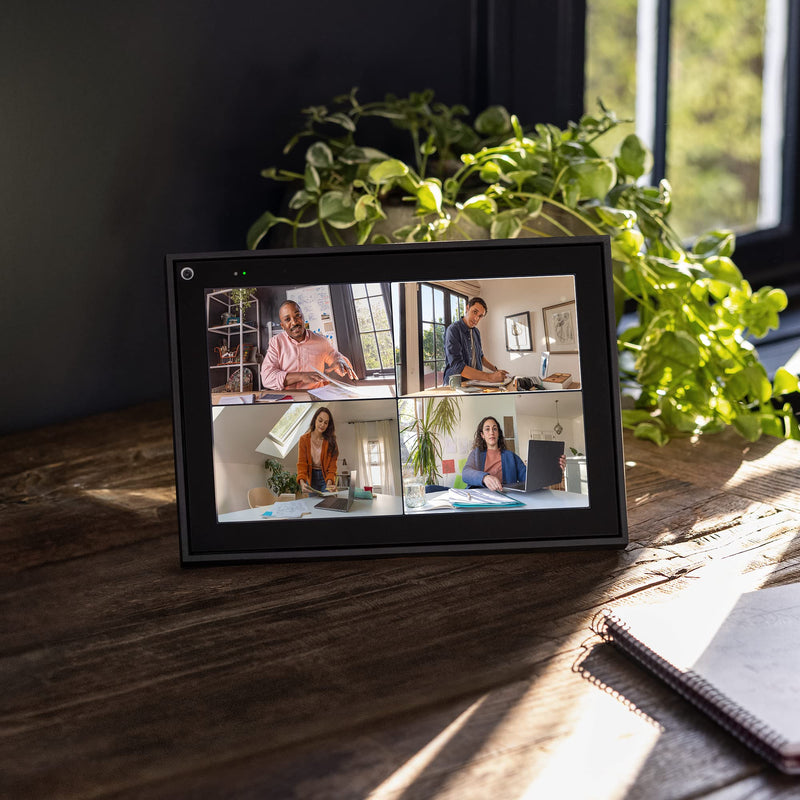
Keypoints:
(490, 463)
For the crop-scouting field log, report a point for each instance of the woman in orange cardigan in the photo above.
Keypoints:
(318, 453)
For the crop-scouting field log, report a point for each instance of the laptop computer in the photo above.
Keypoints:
(543, 469)
(340, 503)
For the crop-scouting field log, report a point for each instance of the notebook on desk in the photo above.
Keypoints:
(740, 665)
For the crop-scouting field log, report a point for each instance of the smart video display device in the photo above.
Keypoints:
(409, 387)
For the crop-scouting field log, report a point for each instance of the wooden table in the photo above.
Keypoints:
(441, 677)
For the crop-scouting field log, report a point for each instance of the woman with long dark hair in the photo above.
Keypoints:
(491, 463)
(318, 453)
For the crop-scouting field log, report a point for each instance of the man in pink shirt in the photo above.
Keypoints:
(295, 355)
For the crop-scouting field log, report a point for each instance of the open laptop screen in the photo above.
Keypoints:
(293, 370)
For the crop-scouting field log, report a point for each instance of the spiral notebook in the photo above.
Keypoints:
(739, 663)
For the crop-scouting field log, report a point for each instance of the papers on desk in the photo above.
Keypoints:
(290, 509)
(467, 498)
(333, 390)
(341, 390)
(332, 393)
(319, 493)
(271, 397)
(489, 384)
(236, 400)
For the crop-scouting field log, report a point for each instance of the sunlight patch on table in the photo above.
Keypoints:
(409, 772)
(133, 498)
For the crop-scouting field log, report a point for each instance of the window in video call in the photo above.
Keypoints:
(394, 399)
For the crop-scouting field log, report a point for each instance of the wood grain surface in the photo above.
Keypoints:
(443, 677)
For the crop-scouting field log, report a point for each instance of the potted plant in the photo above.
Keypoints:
(687, 366)
(243, 297)
(279, 480)
(440, 417)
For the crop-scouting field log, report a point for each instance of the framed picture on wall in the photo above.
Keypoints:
(561, 328)
(518, 332)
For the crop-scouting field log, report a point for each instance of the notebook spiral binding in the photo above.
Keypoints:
(743, 725)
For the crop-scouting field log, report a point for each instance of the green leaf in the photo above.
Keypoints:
(594, 176)
(519, 176)
(480, 209)
(506, 225)
(490, 172)
(633, 158)
(494, 121)
(319, 155)
(616, 217)
(785, 382)
(667, 357)
(717, 243)
(775, 297)
(749, 425)
(302, 198)
(368, 207)
(363, 230)
(750, 381)
(651, 432)
(626, 245)
(517, 128)
(429, 198)
(337, 209)
(258, 230)
(339, 118)
(387, 171)
(534, 206)
(792, 427)
(631, 417)
(571, 193)
(311, 178)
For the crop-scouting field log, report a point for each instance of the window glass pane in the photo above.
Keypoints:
(428, 348)
(291, 419)
(359, 290)
(362, 315)
(611, 63)
(379, 316)
(370, 349)
(427, 303)
(715, 109)
(454, 315)
(438, 300)
(439, 331)
(386, 349)
(428, 376)
(374, 289)
(396, 318)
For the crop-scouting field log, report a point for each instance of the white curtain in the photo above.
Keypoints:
(362, 458)
(389, 444)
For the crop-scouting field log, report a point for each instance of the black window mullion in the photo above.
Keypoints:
(664, 16)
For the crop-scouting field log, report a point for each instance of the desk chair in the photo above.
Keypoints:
(260, 496)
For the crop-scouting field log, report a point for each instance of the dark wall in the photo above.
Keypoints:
(135, 130)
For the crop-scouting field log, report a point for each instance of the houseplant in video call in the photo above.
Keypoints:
(686, 363)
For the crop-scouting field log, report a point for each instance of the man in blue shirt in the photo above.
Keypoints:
(462, 348)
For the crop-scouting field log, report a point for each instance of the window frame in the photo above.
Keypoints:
(383, 372)
(766, 254)
(448, 293)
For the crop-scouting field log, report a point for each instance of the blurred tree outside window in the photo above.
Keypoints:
(725, 90)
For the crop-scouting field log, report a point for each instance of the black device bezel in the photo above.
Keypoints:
(204, 540)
